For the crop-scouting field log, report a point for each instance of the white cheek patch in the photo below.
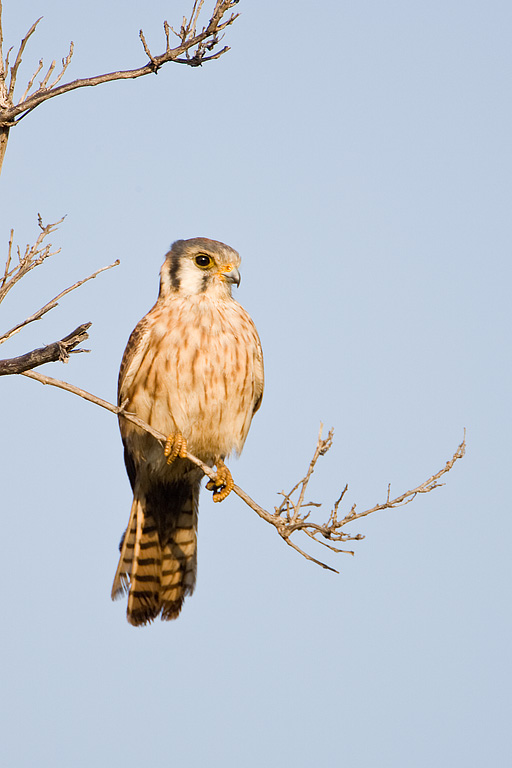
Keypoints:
(191, 278)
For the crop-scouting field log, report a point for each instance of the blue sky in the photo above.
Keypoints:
(358, 157)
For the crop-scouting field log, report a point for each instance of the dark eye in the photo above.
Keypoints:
(203, 261)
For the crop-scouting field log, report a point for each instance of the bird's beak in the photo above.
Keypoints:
(231, 275)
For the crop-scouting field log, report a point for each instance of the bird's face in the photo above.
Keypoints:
(199, 266)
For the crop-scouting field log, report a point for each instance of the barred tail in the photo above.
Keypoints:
(121, 583)
(179, 558)
(157, 566)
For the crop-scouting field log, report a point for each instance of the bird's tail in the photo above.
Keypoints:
(158, 561)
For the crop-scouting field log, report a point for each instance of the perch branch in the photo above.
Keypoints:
(290, 516)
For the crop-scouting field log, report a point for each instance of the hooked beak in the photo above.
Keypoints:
(232, 275)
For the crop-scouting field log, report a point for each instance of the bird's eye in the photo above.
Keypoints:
(203, 261)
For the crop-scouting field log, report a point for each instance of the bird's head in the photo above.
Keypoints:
(197, 266)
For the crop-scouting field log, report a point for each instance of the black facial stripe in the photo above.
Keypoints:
(174, 268)
(204, 284)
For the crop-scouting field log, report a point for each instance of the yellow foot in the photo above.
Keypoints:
(175, 446)
(223, 483)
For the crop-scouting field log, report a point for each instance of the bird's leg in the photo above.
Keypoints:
(222, 484)
(175, 446)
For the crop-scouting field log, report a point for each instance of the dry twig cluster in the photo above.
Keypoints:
(33, 256)
(292, 515)
(195, 47)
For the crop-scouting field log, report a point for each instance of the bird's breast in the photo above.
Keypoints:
(198, 375)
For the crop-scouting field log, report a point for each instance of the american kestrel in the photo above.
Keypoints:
(193, 370)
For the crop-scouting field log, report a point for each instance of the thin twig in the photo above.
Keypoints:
(53, 302)
(148, 52)
(65, 64)
(8, 261)
(31, 81)
(34, 256)
(14, 68)
(44, 81)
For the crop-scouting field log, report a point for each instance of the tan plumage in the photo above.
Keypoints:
(192, 367)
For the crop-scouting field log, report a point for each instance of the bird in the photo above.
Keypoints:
(192, 370)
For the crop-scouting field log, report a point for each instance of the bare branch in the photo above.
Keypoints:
(54, 302)
(3, 67)
(167, 30)
(48, 380)
(408, 496)
(5, 101)
(288, 518)
(148, 52)
(309, 557)
(196, 10)
(44, 82)
(65, 64)
(194, 46)
(9, 257)
(292, 518)
(195, 63)
(34, 256)
(59, 350)
(31, 81)
(15, 67)
(51, 353)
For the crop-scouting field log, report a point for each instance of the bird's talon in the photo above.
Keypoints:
(222, 484)
(175, 446)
